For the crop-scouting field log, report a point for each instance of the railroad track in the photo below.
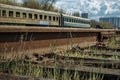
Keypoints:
(98, 62)
(109, 68)
(16, 39)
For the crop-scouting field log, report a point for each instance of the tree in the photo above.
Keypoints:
(35, 4)
(47, 4)
(40, 4)
(10, 2)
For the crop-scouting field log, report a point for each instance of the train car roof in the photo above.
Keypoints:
(70, 16)
(26, 9)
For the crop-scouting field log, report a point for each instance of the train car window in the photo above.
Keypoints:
(56, 18)
(53, 18)
(77, 20)
(89, 23)
(3, 13)
(41, 17)
(50, 18)
(30, 16)
(69, 20)
(65, 19)
(10, 13)
(45, 17)
(24, 15)
(72, 20)
(83, 21)
(0, 12)
(17, 14)
(35, 16)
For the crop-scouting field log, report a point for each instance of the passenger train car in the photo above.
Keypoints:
(26, 16)
(73, 21)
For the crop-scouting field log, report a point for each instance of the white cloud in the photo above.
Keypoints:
(93, 7)
(80, 5)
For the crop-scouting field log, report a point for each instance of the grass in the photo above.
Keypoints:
(112, 42)
(90, 55)
(20, 67)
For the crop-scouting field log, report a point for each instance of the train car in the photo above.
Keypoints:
(73, 21)
(26, 16)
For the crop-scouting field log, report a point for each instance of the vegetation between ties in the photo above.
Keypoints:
(20, 67)
(25, 66)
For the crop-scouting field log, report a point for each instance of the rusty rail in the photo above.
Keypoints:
(17, 38)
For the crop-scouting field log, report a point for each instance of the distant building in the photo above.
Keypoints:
(112, 20)
(84, 15)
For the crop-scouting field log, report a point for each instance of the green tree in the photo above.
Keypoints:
(10, 2)
(48, 5)
(35, 4)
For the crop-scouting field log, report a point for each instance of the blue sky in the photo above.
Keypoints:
(95, 8)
